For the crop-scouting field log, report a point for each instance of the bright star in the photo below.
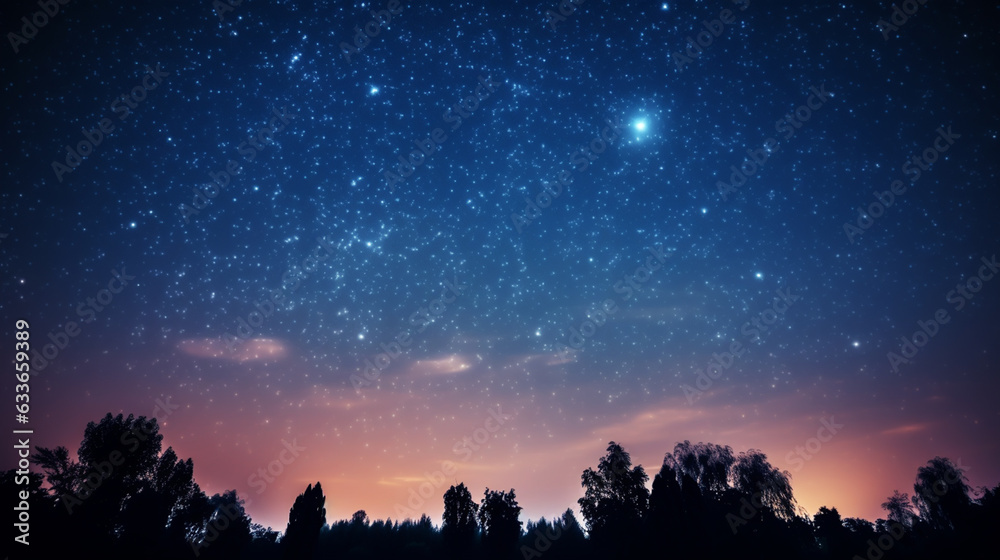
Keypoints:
(640, 126)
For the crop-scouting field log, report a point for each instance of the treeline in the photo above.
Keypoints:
(123, 497)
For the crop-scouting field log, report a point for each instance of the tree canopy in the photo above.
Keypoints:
(125, 497)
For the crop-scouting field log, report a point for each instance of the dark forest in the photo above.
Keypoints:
(125, 497)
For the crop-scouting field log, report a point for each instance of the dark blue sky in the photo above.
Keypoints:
(314, 265)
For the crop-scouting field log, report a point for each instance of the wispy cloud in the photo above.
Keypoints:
(253, 350)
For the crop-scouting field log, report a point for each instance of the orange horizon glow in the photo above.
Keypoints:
(373, 449)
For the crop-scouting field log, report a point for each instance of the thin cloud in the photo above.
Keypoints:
(253, 350)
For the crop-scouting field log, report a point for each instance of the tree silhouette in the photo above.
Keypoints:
(458, 523)
(62, 473)
(569, 526)
(147, 513)
(751, 474)
(104, 493)
(263, 544)
(124, 499)
(832, 537)
(615, 497)
(136, 440)
(899, 510)
(187, 524)
(498, 519)
(45, 527)
(225, 531)
(305, 520)
(858, 525)
(359, 518)
(706, 463)
(119, 454)
(694, 506)
(665, 518)
(264, 534)
(572, 541)
(941, 494)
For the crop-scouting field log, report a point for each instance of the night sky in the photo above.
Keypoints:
(488, 241)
